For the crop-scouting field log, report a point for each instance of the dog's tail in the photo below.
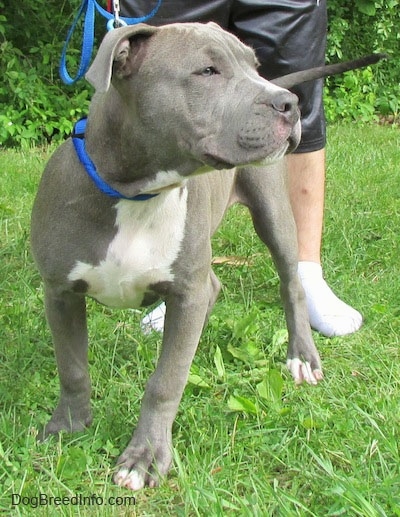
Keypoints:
(290, 80)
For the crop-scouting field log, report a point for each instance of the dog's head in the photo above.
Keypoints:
(195, 89)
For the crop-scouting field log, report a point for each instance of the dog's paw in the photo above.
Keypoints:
(133, 479)
(140, 467)
(302, 371)
(65, 421)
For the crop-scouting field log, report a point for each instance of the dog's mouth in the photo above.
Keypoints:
(216, 162)
(293, 141)
(261, 141)
(293, 137)
(259, 158)
(256, 144)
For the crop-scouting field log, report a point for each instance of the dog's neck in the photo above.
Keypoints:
(124, 158)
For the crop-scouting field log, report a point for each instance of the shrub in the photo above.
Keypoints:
(35, 107)
(358, 28)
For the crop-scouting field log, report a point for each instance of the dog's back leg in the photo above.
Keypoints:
(66, 315)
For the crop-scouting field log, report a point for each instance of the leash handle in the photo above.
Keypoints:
(87, 10)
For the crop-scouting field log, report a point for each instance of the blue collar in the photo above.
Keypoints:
(78, 138)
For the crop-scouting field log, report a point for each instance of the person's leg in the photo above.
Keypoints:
(307, 191)
(328, 314)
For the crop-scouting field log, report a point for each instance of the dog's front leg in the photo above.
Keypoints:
(149, 453)
(66, 315)
(265, 193)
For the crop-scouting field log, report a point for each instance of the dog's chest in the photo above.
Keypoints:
(147, 242)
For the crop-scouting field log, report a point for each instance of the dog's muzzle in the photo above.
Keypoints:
(273, 123)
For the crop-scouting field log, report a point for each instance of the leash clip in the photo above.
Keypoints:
(115, 22)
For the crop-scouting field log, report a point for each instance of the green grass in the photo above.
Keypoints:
(247, 441)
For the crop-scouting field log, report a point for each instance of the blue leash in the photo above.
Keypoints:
(78, 138)
(87, 10)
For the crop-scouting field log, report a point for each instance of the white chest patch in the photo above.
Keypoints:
(142, 252)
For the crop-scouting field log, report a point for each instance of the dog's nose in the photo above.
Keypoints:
(286, 103)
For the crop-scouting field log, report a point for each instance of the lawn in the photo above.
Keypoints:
(247, 441)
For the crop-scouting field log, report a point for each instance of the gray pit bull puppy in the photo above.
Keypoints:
(179, 111)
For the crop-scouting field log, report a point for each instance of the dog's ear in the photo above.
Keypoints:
(114, 54)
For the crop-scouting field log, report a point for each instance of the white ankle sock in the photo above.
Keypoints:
(154, 320)
(328, 315)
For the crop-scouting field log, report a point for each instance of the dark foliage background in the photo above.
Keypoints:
(36, 107)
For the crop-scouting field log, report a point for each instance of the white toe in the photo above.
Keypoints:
(131, 479)
(301, 371)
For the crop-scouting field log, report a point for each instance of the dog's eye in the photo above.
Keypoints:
(209, 71)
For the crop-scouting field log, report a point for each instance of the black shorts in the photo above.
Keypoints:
(287, 35)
